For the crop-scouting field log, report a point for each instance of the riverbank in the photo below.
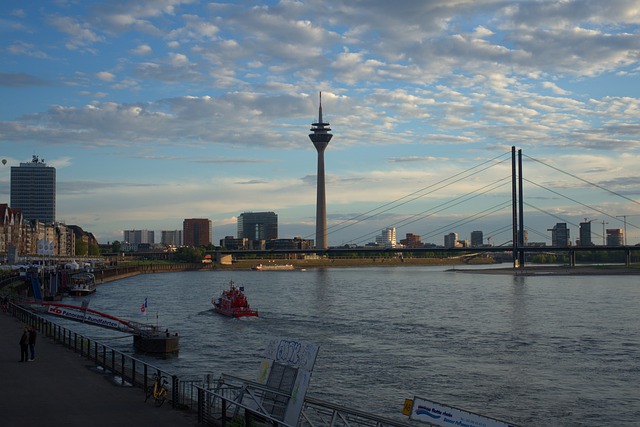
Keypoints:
(488, 266)
(543, 270)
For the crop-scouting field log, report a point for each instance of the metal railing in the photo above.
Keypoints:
(220, 401)
(129, 370)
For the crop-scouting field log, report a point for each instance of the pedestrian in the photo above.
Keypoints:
(32, 343)
(24, 345)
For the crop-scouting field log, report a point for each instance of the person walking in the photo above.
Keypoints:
(24, 345)
(32, 343)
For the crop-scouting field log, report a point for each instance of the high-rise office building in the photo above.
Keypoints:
(585, 234)
(136, 237)
(387, 238)
(258, 225)
(197, 232)
(33, 190)
(477, 239)
(451, 240)
(320, 138)
(560, 236)
(615, 237)
(171, 237)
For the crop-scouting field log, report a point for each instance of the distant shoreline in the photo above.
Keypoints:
(479, 266)
(541, 270)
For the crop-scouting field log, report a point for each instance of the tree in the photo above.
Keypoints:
(188, 254)
(94, 249)
(82, 247)
(116, 246)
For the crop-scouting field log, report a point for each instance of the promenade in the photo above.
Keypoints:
(60, 388)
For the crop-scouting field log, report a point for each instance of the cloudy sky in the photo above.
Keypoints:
(158, 110)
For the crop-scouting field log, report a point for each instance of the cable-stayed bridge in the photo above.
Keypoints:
(499, 195)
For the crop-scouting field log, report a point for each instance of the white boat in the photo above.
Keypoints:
(82, 284)
(270, 267)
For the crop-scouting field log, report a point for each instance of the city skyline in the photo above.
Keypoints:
(165, 110)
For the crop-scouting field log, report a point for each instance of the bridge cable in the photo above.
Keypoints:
(475, 216)
(349, 222)
(583, 180)
(443, 207)
(575, 201)
(557, 217)
(461, 199)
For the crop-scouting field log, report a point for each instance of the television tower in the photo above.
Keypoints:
(320, 138)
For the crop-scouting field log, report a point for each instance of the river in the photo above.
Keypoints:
(532, 350)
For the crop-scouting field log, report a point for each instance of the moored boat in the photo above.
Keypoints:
(82, 284)
(233, 303)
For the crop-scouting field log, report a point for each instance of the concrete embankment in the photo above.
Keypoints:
(120, 272)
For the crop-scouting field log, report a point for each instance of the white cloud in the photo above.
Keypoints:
(105, 76)
(143, 49)
(80, 34)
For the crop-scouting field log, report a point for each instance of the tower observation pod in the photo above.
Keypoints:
(320, 137)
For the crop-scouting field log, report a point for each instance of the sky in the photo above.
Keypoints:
(154, 111)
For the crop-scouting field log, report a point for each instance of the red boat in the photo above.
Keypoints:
(233, 303)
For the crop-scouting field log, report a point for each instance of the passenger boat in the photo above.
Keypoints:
(82, 284)
(233, 303)
(273, 267)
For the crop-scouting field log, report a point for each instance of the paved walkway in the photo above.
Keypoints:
(60, 388)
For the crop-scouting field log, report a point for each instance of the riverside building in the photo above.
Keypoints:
(615, 237)
(197, 232)
(585, 234)
(477, 239)
(171, 238)
(560, 235)
(258, 225)
(135, 238)
(387, 238)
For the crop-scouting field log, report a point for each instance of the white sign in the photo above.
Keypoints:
(83, 316)
(292, 352)
(297, 354)
(441, 415)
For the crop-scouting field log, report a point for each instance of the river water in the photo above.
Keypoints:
(534, 350)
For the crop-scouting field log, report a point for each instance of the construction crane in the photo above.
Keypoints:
(603, 233)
